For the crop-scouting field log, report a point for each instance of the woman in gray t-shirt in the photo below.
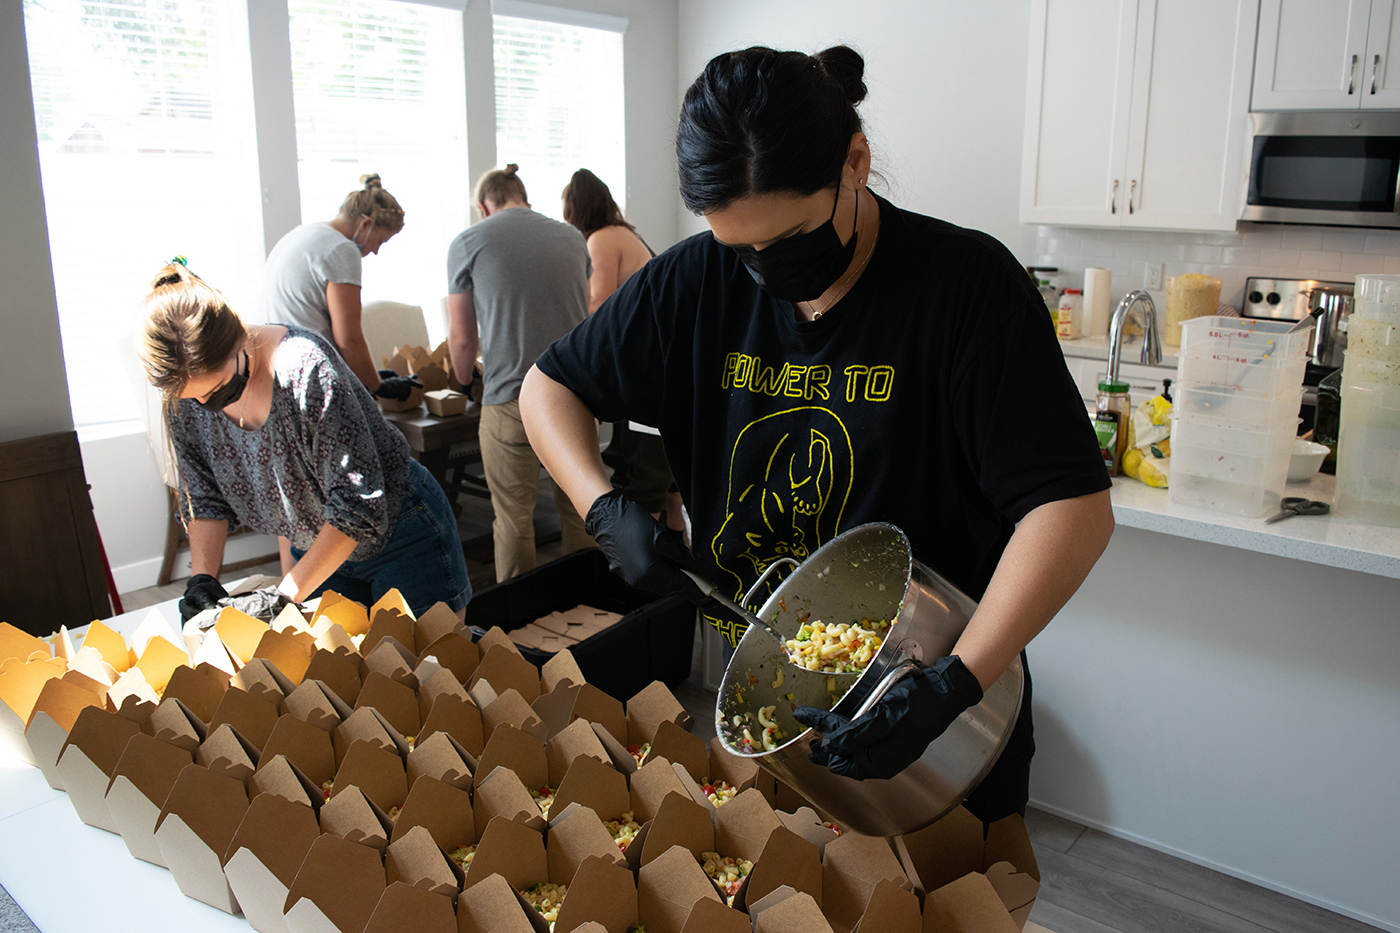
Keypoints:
(312, 278)
(271, 429)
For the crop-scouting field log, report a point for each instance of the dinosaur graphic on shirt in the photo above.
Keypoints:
(789, 479)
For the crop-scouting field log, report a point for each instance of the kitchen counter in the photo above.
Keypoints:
(1332, 540)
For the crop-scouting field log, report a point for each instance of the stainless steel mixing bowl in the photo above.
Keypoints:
(868, 572)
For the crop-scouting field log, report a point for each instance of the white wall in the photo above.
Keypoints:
(947, 89)
(32, 383)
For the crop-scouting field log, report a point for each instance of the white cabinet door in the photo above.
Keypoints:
(1190, 113)
(1078, 89)
(1311, 54)
(1380, 76)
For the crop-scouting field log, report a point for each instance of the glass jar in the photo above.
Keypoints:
(1111, 423)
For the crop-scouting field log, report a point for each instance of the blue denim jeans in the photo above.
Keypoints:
(423, 559)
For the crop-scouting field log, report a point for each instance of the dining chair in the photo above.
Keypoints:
(389, 324)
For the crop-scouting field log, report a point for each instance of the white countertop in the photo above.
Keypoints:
(1131, 351)
(1332, 540)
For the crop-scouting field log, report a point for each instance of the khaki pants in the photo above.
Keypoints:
(513, 476)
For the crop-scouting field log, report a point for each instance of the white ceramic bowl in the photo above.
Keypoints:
(1306, 460)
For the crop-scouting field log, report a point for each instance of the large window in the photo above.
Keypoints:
(144, 117)
(559, 105)
(378, 88)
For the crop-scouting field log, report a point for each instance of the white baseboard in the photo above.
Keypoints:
(143, 573)
(1215, 866)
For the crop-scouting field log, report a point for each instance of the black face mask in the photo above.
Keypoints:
(231, 391)
(803, 266)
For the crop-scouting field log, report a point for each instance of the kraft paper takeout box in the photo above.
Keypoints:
(336, 671)
(574, 837)
(268, 848)
(568, 702)
(351, 815)
(789, 911)
(593, 784)
(252, 717)
(279, 777)
(460, 719)
(456, 653)
(196, 826)
(443, 811)
(20, 684)
(262, 679)
(337, 888)
(679, 747)
(176, 723)
(442, 757)
(512, 850)
(600, 892)
(316, 703)
(502, 795)
(938, 855)
(561, 670)
(433, 625)
(707, 916)
(397, 703)
(441, 682)
(509, 708)
(366, 724)
(304, 746)
(491, 905)
(747, 827)
(651, 784)
(679, 821)
(53, 714)
(290, 653)
(228, 753)
(140, 785)
(809, 824)
(653, 705)
(853, 868)
(406, 907)
(415, 858)
(517, 751)
(390, 658)
(379, 774)
(577, 741)
(668, 888)
(415, 398)
(445, 403)
(200, 690)
(89, 758)
(505, 669)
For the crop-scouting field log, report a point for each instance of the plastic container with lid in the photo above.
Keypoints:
(1229, 467)
(1368, 434)
(1113, 408)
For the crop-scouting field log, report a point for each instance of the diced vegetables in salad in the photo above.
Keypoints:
(719, 792)
(544, 798)
(640, 752)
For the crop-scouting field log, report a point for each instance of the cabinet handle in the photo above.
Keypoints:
(1132, 190)
(1351, 81)
(1375, 67)
(1113, 202)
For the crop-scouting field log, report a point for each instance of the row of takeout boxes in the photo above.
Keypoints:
(221, 780)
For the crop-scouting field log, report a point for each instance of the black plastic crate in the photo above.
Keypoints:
(652, 641)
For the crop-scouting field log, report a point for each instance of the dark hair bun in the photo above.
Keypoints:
(371, 181)
(845, 66)
(512, 168)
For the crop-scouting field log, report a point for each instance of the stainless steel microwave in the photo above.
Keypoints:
(1340, 168)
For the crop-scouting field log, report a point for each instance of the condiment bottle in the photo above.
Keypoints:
(1111, 423)
(1071, 309)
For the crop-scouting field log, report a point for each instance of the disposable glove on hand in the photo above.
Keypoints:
(396, 387)
(895, 731)
(640, 549)
(202, 592)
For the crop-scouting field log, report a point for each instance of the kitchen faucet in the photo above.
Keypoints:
(1151, 343)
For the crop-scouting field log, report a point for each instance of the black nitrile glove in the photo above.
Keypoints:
(895, 731)
(641, 550)
(202, 592)
(396, 387)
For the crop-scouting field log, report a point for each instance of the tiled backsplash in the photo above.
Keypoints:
(1271, 250)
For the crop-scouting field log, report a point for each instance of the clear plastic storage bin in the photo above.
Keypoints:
(1213, 404)
(1229, 468)
(1266, 342)
(1240, 374)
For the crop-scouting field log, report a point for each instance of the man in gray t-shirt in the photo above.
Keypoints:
(516, 282)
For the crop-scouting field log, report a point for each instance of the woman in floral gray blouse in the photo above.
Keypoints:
(270, 428)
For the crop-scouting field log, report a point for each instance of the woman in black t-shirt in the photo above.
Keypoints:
(827, 359)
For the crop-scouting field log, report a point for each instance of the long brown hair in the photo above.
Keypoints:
(589, 204)
(187, 330)
(374, 202)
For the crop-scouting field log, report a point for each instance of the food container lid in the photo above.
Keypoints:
(1074, 291)
(1114, 387)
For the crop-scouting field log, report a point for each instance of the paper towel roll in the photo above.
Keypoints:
(1098, 291)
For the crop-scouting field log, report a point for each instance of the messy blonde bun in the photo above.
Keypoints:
(374, 202)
